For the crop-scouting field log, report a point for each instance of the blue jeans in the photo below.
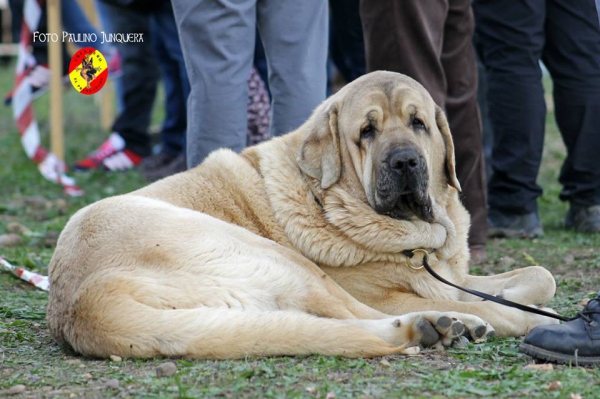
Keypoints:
(165, 41)
(104, 14)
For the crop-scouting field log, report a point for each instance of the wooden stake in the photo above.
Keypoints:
(56, 87)
(107, 109)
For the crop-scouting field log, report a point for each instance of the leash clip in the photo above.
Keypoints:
(410, 253)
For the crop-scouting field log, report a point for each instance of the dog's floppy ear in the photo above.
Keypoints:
(442, 124)
(319, 155)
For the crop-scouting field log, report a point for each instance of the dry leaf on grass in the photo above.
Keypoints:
(539, 367)
(554, 385)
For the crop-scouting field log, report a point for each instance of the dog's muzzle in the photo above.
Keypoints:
(402, 187)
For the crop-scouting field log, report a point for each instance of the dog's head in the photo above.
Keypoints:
(383, 138)
(88, 65)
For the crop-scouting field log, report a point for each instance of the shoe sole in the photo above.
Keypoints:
(560, 358)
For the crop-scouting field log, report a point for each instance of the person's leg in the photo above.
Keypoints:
(140, 79)
(460, 67)
(177, 87)
(260, 61)
(347, 47)
(171, 158)
(16, 12)
(407, 37)
(104, 14)
(218, 43)
(511, 40)
(487, 130)
(294, 35)
(170, 78)
(572, 55)
(130, 141)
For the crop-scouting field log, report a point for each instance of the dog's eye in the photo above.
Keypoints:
(418, 124)
(367, 132)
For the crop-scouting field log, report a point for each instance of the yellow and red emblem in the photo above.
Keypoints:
(88, 71)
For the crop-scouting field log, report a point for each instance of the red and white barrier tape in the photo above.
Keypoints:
(50, 166)
(35, 279)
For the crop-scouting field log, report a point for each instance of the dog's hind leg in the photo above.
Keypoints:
(121, 325)
(132, 329)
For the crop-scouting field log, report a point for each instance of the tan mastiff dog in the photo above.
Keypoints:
(292, 247)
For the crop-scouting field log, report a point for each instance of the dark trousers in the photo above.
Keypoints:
(160, 47)
(140, 79)
(346, 43)
(513, 37)
(431, 41)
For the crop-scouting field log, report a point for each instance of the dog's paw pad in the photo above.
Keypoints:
(458, 328)
(429, 335)
(479, 332)
(482, 333)
(444, 322)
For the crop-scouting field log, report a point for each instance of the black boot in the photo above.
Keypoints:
(506, 225)
(584, 219)
(576, 342)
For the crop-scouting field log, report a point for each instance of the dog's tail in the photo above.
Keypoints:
(133, 329)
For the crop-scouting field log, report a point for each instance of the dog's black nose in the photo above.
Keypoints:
(404, 160)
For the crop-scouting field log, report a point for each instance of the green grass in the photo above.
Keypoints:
(29, 356)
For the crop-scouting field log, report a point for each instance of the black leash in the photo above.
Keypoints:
(411, 252)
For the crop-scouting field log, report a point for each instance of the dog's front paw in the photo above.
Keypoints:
(437, 329)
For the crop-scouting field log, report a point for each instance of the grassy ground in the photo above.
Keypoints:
(28, 355)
